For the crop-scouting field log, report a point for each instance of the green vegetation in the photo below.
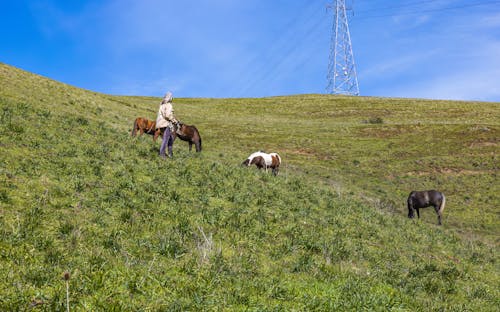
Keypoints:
(78, 195)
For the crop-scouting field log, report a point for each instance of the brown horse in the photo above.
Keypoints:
(189, 134)
(183, 131)
(263, 160)
(144, 125)
(425, 199)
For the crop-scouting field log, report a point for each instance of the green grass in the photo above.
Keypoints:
(199, 232)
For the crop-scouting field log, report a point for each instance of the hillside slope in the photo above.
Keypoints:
(199, 232)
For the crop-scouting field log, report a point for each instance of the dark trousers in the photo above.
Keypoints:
(168, 140)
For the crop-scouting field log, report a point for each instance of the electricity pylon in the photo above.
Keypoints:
(342, 78)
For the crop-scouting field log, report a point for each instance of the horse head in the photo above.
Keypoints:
(178, 127)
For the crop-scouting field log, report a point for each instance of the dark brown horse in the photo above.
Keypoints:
(425, 199)
(189, 134)
(144, 125)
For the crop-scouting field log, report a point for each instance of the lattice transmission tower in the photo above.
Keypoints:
(342, 78)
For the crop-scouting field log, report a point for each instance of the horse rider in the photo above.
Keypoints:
(166, 122)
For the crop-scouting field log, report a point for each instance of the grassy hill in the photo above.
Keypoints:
(199, 232)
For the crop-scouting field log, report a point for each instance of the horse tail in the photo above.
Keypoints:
(443, 204)
(409, 202)
(134, 130)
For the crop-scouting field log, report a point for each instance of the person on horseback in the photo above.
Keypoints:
(166, 122)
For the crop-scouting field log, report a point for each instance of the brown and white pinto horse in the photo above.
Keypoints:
(263, 160)
(425, 199)
(144, 125)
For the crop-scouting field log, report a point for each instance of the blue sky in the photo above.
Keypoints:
(441, 49)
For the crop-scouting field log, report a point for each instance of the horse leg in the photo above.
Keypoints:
(134, 130)
(418, 212)
(441, 208)
(198, 144)
(190, 145)
(438, 212)
(411, 211)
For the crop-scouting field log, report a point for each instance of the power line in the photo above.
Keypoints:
(254, 65)
(396, 6)
(287, 43)
(431, 10)
(270, 74)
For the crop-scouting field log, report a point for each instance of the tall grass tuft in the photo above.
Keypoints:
(66, 277)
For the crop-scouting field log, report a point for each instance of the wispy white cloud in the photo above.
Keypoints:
(411, 21)
(477, 80)
(53, 21)
(398, 65)
(186, 42)
(490, 21)
(455, 57)
(147, 87)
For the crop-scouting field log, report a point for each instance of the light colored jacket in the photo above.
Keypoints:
(166, 116)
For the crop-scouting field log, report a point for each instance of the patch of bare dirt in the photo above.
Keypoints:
(448, 171)
(483, 144)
